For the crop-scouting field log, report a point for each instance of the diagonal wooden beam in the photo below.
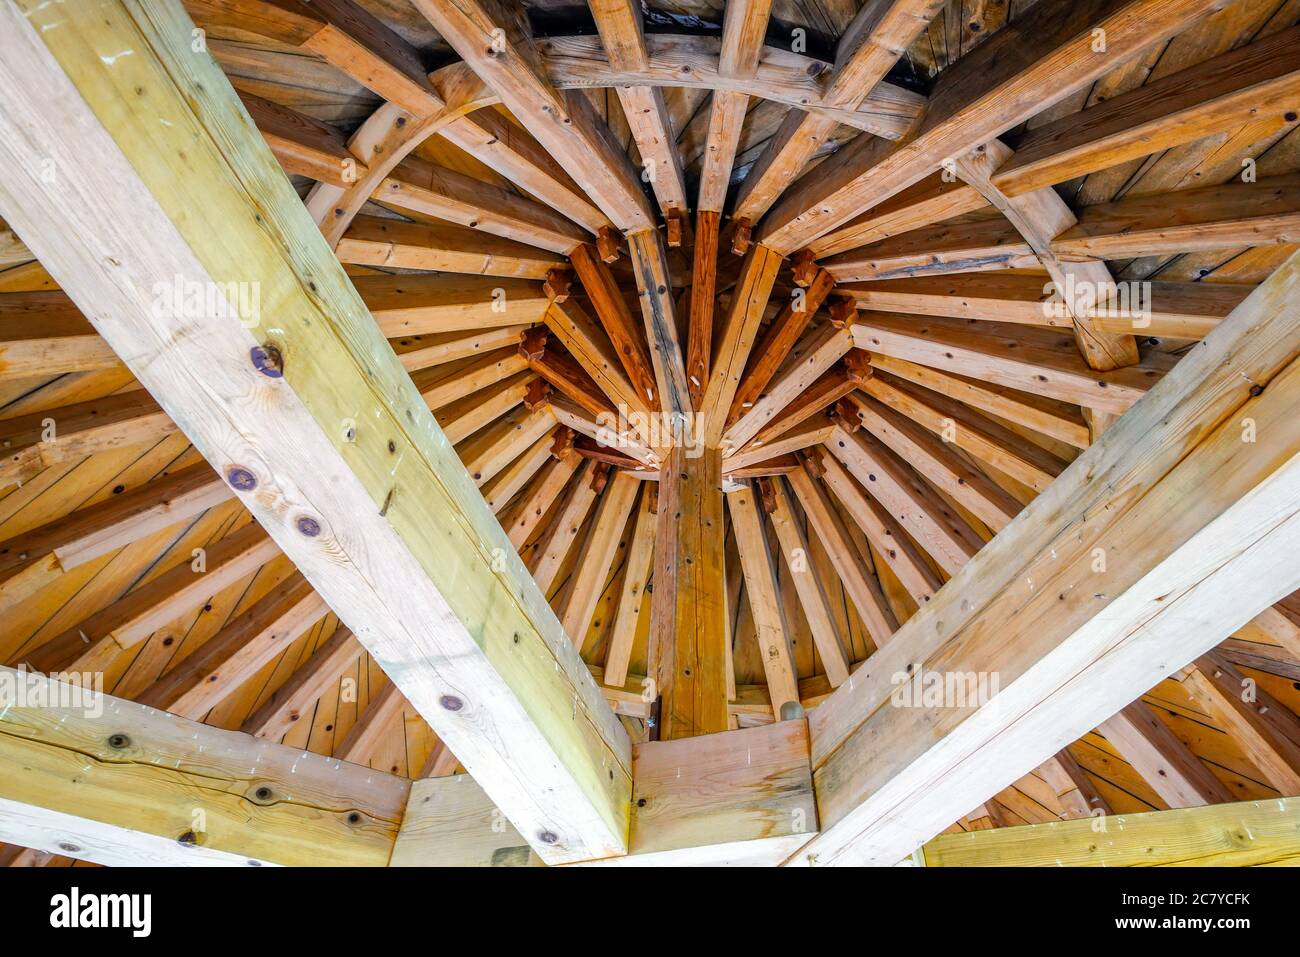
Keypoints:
(1086, 643)
(1036, 61)
(1259, 80)
(879, 34)
(389, 243)
(495, 40)
(1161, 758)
(601, 548)
(632, 591)
(290, 702)
(622, 32)
(300, 473)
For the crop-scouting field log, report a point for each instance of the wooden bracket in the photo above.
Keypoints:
(532, 343)
(805, 268)
(847, 413)
(674, 231)
(742, 234)
(562, 448)
(600, 477)
(538, 391)
(557, 284)
(858, 364)
(608, 244)
(812, 460)
(843, 310)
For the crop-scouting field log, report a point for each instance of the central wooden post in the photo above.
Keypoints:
(688, 609)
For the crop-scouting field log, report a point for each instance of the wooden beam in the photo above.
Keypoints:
(1161, 758)
(1263, 213)
(622, 32)
(933, 199)
(1014, 357)
(654, 288)
(632, 591)
(850, 565)
(812, 598)
(288, 703)
(300, 474)
(1086, 643)
(111, 781)
(687, 652)
(1253, 82)
(391, 243)
(495, 40)
(43, 334)
(611, 308)
(869, 48)
(598, 558)
(421, 305)
(936, 250)
(418, 188)
(1247, 834)
(1034, 62)
(34, 559)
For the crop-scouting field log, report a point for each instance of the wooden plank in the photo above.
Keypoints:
(936, 250)
(687, 651)
(602, 540)
(699, 334)
(1263, 213)
(450, 822)
(935, 198)
(1246, 834)
(1164, 761)
(654, 288)
(288, 703)
(43, 334)
(1259, 80)
(391, 243)
(394, 485)
(506, 60)
(812, 598)
(632, 591)
(1164, 569)
(1034, 62)
(108, 780)
(611, 308)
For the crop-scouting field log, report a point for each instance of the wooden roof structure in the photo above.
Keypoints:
(474, 432)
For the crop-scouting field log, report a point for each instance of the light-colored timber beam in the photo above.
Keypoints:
(1036, 61)
(599, 554)
(420, 305)
(1173, 582)
(291, 701)
(1178, 776)
(1259, 81)
(938, 197)
(495, 40)
(632, 590)
(43, 334)
(1034, 360)
(111, 781)
(1246, 834)
(559, 766)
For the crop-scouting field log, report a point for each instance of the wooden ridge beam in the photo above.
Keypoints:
(1036, 61)
(1160, 602)
(394, 484)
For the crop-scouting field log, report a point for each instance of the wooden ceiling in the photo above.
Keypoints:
(834, 258)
